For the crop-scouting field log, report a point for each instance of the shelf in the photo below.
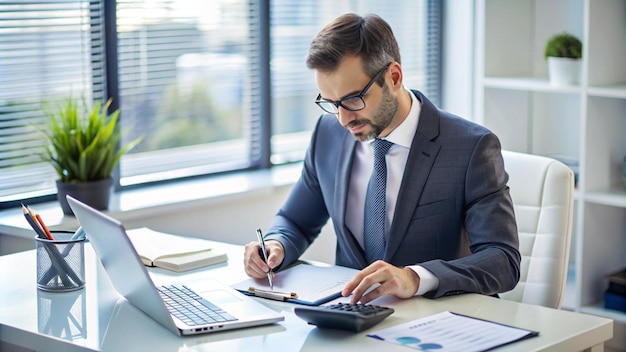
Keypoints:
(577, 195)
(617, 90)
(612, 198)
(598, 309)
(528, 84)
(585, 121)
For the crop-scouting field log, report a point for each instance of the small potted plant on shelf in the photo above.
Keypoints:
(563, 52)
(83, 149)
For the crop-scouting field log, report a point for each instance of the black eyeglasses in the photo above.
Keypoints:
(351, 103)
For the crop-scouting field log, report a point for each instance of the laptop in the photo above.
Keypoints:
(214, 306)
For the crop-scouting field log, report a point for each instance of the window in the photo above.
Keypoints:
(48, 50)
(213, 86)
(186, 78)
(294, 24)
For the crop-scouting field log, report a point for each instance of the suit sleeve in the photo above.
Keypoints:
(304, 213)
(489, 221)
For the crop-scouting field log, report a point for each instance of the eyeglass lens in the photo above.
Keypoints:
(354, 103)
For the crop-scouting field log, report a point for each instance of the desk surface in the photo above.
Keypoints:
(97, 318)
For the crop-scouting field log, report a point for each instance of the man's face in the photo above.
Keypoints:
(380, 104)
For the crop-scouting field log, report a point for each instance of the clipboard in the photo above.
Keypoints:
(303, 283)
(275, 295)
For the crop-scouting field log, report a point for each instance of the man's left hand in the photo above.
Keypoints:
(401, 282)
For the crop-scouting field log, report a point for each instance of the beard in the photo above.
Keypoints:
(382, 117)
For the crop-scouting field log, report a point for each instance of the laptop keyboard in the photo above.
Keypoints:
(189, 307)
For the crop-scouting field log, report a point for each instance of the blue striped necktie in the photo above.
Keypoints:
(375, 204)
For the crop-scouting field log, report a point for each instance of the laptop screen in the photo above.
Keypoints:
(121, 262)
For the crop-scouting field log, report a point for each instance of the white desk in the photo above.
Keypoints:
(95, 318)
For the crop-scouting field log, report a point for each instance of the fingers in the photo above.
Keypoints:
(276, 253)
(253, 262)
(370, 296)
(381, 278)
(363, 281)
(357, 280)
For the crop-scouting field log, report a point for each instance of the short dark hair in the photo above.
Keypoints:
(368, 37)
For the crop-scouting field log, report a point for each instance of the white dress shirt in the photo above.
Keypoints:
(401, 137)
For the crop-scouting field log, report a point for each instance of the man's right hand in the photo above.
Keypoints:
(253, 261)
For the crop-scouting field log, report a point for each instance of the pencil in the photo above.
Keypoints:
(44, 227)
(39, 222)
(33, 223)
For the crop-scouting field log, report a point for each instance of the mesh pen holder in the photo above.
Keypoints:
(60, 263)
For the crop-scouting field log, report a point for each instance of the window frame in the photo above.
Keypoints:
(260, 146)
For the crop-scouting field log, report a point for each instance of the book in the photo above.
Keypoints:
(615, 295)
(617, 282)
(172, 252)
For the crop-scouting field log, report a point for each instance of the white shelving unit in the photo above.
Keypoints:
(584, 122)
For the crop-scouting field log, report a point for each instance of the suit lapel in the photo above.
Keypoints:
(344, 171)
(344, 167)
(418, 166)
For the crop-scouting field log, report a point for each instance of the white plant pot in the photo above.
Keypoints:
(564, 71)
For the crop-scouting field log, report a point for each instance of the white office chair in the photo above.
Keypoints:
(542, 190)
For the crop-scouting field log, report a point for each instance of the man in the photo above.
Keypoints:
(444, 223)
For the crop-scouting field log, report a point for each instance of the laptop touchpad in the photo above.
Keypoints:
(219, 296)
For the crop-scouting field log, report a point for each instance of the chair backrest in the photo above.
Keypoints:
(542, 190)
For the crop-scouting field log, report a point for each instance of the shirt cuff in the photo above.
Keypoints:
(428, 281)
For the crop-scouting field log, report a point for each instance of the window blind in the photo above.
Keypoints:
(49, 50)
(212, 85)
(416, 25)
(186, 72)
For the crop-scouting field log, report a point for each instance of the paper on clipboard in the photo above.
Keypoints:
(313, 284)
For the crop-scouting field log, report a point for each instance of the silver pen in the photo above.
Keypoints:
(264, 251)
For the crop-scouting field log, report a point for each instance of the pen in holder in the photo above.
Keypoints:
(60, 262)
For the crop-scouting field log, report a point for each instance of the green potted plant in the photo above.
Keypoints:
(563, 53)
(83, 149)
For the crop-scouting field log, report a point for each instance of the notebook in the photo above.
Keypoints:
(173, 252)
(130, 278)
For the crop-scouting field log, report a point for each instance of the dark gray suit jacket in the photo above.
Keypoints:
(454, 214)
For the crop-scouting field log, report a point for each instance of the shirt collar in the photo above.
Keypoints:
(405, 132)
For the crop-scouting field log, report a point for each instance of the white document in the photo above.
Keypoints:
(314, 285)
(448, 331)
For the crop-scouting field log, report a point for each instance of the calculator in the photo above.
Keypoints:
(344, 316)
